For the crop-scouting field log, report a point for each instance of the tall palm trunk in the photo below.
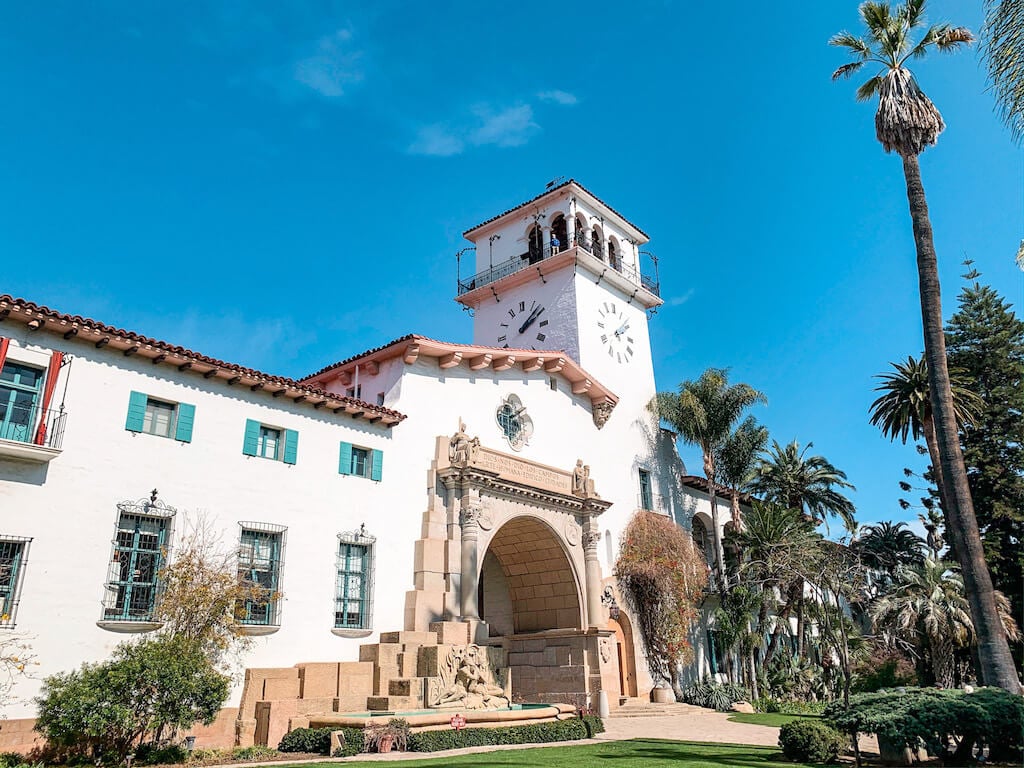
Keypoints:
(709, 473)
(997, 666)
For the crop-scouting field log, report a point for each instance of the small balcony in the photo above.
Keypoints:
(536, 256)
(29, 433)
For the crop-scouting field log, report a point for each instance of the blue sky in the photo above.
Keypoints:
(282, 185)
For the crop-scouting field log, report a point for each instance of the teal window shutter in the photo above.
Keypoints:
(136, 412)
(376, 465)
(345, 459)
(291, 446)
(186, 417)
(252, 436)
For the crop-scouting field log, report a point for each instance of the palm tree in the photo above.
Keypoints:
(905, 408)
(927, 607)
(736, 460)
(807, 484)
(804, 483)
(886, 547)
(1003, 37)
(779, 546)
(907, 122)
(703, 413)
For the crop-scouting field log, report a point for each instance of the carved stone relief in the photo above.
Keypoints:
(471, 677)
(606, 649)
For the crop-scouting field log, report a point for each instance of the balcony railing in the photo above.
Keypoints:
(32, 425)
(532, 257)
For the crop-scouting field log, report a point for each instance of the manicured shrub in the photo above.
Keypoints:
(804, 741)
(148, 754)
(594, 725)
(310, 740)
(255, 752)
(948, 723)
(538, 733)
(353, 742)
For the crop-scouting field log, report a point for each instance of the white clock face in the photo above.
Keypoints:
(616, 336)
(523, 326)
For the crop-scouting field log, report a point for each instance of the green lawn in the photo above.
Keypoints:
(635, 753)
(774, 719)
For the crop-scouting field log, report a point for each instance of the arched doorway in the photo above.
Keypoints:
(527, 583)
(627, 657)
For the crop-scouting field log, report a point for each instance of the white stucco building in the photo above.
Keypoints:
(345, 492)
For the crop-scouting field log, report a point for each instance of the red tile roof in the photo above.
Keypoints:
(545, 193)
(39, 317)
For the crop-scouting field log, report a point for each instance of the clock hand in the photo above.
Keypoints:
(531, 319)
(622, 328)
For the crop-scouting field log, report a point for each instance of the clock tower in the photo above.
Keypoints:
(562, 272)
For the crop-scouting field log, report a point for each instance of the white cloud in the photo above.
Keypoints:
(436, 140)
(332, 67)
(564, 98)
(678, 301)
(482, 126)
(511, 127)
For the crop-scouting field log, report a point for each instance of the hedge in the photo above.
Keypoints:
(318, 740)
(538, 733)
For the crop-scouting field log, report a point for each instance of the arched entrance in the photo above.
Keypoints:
(627, 657)
(527, 583)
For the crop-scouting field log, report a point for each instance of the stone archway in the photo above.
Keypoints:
(527, 583)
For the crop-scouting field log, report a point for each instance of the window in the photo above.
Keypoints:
(19, 395)
(259, 565)
(553, 383)
(160, 417)
(361, 462)
(646, 497)
(269, 442)
(380, 398)
(140, 543)
(354, 585)
(13, 554)
(356, 392)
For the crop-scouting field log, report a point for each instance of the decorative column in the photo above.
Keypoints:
(470, 523)
(591, 537)
(547, 241)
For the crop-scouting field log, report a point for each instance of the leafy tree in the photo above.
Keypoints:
(736, 460)
(661, 575)
(1003, 45)
(904, 408)
(703, 413)
(733, 619)
(887, 546)
(986, 342)
(201, 593)
(927, 606)
(16, 661)
(907, 122)
(146, 691)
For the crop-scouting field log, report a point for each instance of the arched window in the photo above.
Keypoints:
(700, 535)
(558, 231)
(613, 254)
(581, 234)
(598, 247)
(536, 241)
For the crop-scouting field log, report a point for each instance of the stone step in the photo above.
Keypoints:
(407, 686)
(393, 703)
(409, 638)
(642, 709)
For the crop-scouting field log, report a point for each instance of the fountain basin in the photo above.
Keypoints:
(430, 719)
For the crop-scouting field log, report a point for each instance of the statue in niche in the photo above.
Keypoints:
(463, 449)
(467, 681)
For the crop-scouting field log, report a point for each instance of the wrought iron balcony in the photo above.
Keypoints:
(535, 256)
(31, 433)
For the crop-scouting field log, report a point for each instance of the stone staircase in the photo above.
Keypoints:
(641, 708)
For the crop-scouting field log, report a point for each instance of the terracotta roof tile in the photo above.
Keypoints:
(27, 311)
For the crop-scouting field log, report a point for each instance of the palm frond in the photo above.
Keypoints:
(868, 90)
(1003, 48)
(952, 38)
(850, 41)
(912, 13)
(847, 69)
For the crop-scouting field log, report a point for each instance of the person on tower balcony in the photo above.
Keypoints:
(556, 244)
